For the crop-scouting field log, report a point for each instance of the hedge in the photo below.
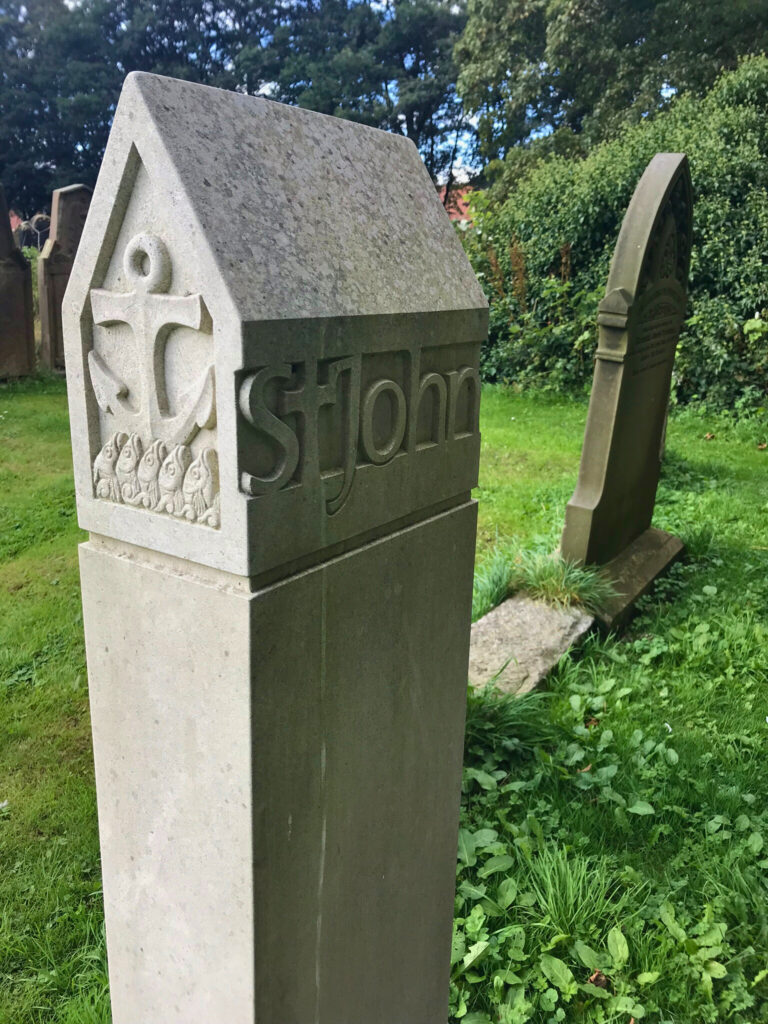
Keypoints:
(543, 255)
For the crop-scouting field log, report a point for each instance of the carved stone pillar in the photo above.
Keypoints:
(275, 437)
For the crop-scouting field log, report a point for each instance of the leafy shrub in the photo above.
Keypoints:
(543, 256)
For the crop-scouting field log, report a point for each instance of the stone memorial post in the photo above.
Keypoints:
(275, 436)
(608, 519)
(68, 212)
(17, 325)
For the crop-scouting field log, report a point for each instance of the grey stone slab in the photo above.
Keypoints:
(518, 643)
(639, 323)
(17, 331)
(278, 775)
(275, 434)
(69, 209)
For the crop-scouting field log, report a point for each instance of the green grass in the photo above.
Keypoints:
(612, 829)
(52, 963)
(542, 574)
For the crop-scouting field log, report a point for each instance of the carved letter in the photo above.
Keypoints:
(308, 402)
(437, 427)
(253, 407)
(380, 456)
(456, 381)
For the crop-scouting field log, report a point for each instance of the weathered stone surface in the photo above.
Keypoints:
(254, 341)
(633, 571)
(518, 643)
(69, 209)
(274, 438)
(639, 324)
(17, 332)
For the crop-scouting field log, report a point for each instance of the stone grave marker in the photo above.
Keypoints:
(17, 330)
(608, 519)
(275, 434)
(69, 209)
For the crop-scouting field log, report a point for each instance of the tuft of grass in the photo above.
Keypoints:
(493, 579)
(506, 722)
(560, 582)
(541, 574)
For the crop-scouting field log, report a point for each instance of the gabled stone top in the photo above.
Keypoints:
(272, 334)
(355, 237)
(69, 208)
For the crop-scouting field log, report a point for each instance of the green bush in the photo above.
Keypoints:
(543, 256)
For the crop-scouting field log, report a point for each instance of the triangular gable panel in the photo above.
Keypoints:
(308, 215)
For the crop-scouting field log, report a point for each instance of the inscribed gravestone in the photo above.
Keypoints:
(17, 337)
(608, 519)
(68, 212)
(275, 435)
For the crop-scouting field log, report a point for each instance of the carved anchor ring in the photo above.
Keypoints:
(147, 264)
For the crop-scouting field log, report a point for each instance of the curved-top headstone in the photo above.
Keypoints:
(608, 519)
(17, 331)
(275, 436)
(69, 208)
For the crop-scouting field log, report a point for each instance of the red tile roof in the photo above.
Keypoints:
(458, 201)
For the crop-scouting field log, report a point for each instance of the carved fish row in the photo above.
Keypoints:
(159, 477)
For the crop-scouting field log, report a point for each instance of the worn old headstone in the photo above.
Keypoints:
(68, 212)
(17, 329)
(608, 519)
(275, 435)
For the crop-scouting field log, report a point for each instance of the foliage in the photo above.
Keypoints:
(32, 255)
(597, 847)
(543, 256)
(612, 858)
(62, 65)
(583, 67)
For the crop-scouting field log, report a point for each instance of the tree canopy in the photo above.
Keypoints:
(530, 68)
(386, 64)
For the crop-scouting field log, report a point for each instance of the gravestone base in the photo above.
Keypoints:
(278, 773)
(633, 571)
(518, 643)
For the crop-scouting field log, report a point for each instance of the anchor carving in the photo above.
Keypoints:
(150, 313)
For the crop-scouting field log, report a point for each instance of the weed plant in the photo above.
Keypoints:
(612, 860)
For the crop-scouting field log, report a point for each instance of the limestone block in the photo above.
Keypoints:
(275, 436)
(278, 774)
(319, 364)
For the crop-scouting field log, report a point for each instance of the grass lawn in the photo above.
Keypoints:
(611, 859)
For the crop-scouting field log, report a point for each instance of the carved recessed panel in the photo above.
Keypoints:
(152, 373)
(319, 423)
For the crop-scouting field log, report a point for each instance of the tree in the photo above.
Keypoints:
(61, 67)
(387, 65)
(54, 83)
(531, 68)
